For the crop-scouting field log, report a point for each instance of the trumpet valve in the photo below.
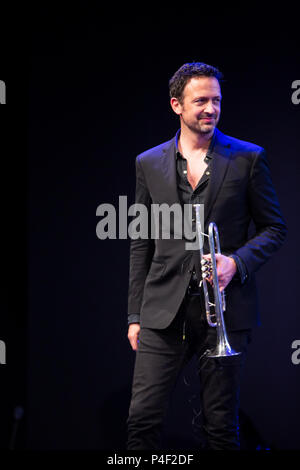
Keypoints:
(206, 268)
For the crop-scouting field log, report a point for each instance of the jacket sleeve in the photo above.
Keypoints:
(141, 249)
(265, 211)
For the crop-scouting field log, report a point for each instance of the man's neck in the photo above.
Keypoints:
(192, 143)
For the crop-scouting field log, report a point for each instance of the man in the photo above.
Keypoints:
(167, 322)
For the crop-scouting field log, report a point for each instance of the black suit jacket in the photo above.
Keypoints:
(240, 190)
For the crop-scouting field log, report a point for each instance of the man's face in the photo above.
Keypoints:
(201, 105)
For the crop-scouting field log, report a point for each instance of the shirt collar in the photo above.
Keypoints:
(209, 151)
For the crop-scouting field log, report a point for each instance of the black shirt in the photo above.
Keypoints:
(188, 195)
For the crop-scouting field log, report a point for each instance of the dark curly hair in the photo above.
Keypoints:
(188, 71)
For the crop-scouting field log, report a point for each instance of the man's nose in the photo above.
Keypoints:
(209, 108)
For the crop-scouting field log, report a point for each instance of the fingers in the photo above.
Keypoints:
(134, 343)
(225, 271)
(206, 268)
(133, 335)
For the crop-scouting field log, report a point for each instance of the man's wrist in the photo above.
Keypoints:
(234, 265)
(241, 271)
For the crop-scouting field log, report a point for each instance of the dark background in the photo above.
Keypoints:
(87, 92)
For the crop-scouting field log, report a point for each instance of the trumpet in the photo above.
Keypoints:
(223, 348)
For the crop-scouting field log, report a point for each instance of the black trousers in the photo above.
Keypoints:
(161, 356)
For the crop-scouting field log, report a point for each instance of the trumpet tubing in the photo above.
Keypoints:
(209, 270)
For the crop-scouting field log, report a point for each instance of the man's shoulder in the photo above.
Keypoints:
(238, 144)
(157, 151)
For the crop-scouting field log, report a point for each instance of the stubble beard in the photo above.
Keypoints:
(199, 128)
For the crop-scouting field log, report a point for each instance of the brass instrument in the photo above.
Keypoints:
(223, 348)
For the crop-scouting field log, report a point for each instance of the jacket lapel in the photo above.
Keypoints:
(168, 167)
(220, 160)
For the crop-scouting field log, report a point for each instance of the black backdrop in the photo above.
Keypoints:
(95, 94)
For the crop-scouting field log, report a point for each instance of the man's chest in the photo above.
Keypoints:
(195, 170)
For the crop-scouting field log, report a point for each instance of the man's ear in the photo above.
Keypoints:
(176, 106)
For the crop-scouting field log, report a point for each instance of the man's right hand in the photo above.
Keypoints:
(133, 335)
